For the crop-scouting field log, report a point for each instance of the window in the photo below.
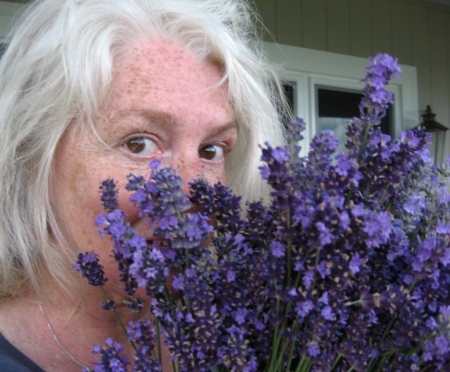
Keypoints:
(317, 80)
(337, 106)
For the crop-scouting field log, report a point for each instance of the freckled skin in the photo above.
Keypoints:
(157, 77)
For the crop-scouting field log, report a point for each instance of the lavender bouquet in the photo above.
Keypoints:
(346, 269)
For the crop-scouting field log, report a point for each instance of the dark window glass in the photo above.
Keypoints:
(2, 48)
(290, 94)
(343, 104)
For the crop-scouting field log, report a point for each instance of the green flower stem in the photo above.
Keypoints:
(158, 340)
(387, 329)
(364, 142)
(168, 296)
(159, 347)
(336, 362)
(360, 155)
(289, 246)
(297, 279)
(356, 302)
(279, 363)
(180, 218)
(117, 317)
(380, 363)
(188, 260)
(295, 326)
(292, 346)
(316, 264)
(385, 357)
(289, 260)
(291, 354)
(304, 365)
(372, 361)
(381, 199)
(276, 339)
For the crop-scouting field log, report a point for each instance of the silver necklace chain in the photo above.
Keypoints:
(57, 340)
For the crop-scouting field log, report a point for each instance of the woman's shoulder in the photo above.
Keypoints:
(13, 360)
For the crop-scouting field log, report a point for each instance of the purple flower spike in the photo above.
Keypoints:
(111, 357)
(109, 194)
(376, 98)
(313, 349)
(355, 263)
(88, 265)
(155, 163)
(278, 249)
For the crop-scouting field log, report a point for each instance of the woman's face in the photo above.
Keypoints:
(163, 104)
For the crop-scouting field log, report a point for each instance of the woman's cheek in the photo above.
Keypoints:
(130, 209)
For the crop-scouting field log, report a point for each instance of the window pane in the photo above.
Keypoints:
(336, 107)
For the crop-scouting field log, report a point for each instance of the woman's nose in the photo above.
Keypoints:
(188, 167)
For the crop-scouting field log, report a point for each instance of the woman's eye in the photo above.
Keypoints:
(140, 146)
(211, 152)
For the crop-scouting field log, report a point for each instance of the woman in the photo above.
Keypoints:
(92, 89)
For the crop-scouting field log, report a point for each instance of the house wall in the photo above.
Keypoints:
(8, 13)
(415, 31)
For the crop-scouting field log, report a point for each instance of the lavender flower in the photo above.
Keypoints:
(88, 265)
(161, 195)
(143, 335)
(347, 267)
(376, 98)
(108, 194)
(111, 356)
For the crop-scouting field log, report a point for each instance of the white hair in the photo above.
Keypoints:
(58, 67)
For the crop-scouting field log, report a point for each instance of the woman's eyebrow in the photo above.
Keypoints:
(227, 127)
(158, 116)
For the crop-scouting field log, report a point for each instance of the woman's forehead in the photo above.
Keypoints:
(156, 70)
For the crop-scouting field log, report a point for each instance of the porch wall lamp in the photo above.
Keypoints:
(437, 131)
